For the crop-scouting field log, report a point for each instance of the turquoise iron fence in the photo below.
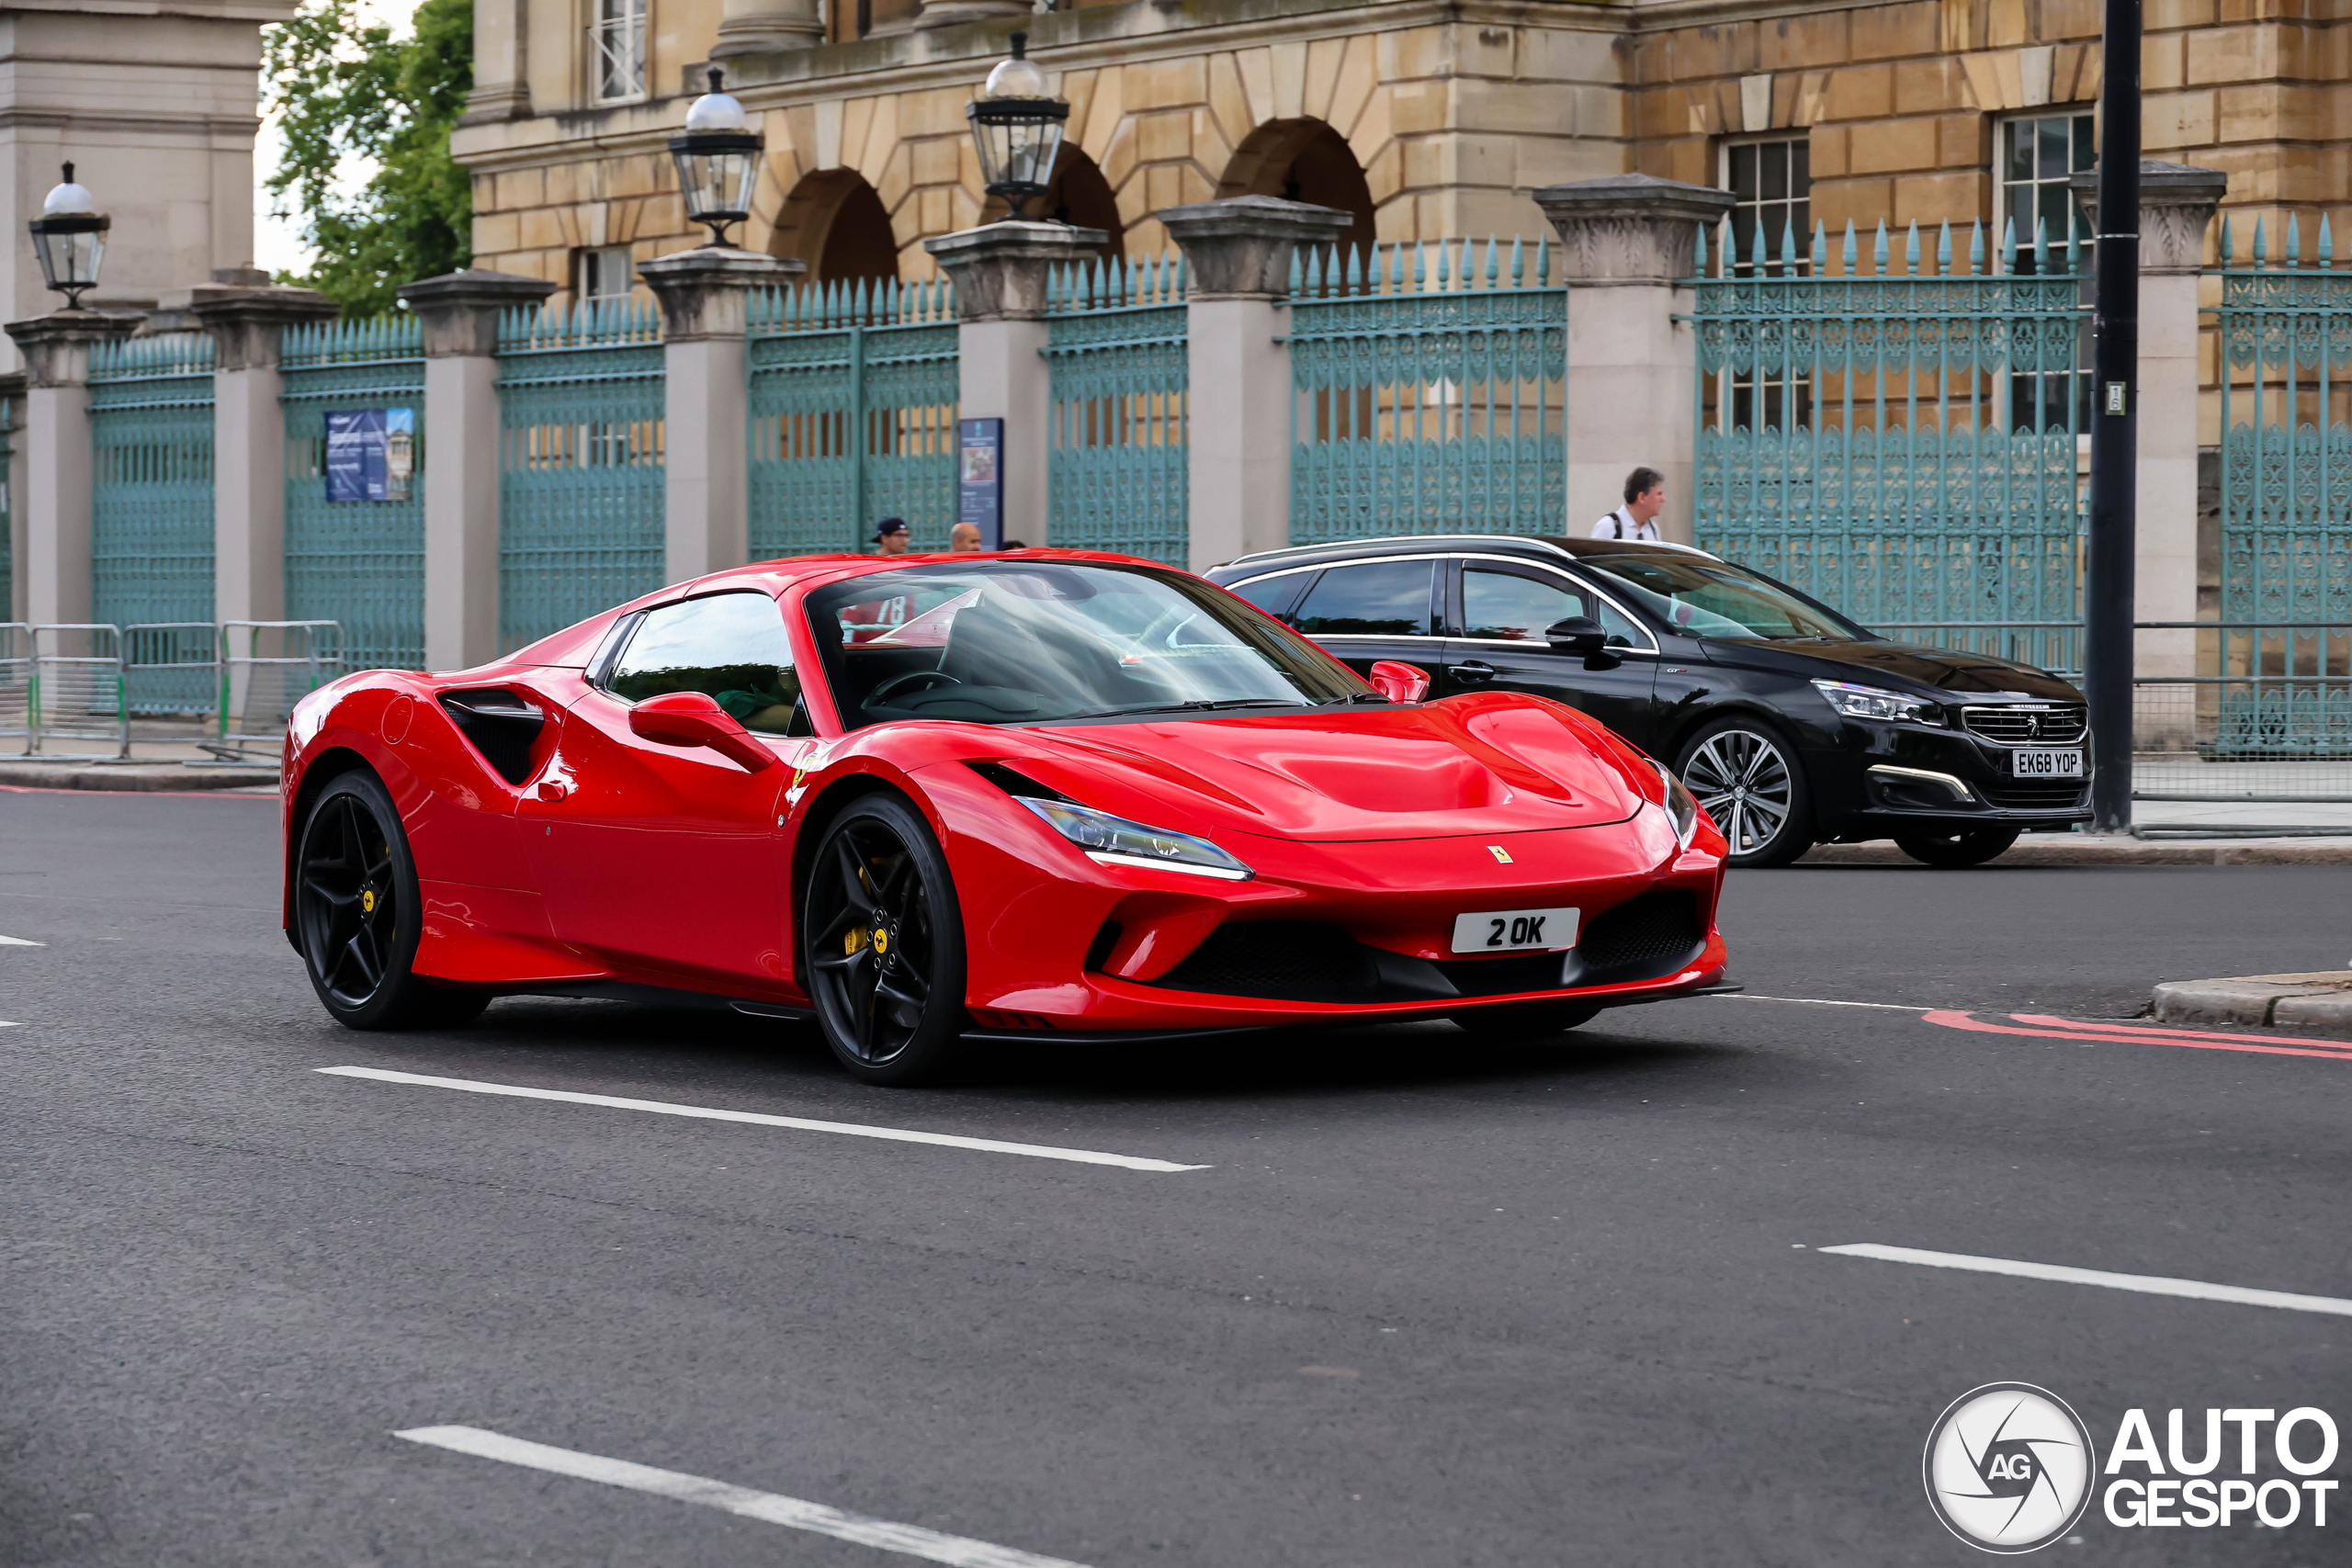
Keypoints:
(1901, 443)
(1428, 392)
(580, 497)
(2280, 677)
(359, 563)
(151, 504)
(1118, 453)
(854, 392)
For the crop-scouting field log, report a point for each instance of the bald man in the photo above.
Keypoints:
(964, 537)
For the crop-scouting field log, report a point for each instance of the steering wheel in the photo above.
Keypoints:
(889, 689)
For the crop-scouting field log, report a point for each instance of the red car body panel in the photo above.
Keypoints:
(620, 859)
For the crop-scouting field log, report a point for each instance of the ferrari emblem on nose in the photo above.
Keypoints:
(1502, 855)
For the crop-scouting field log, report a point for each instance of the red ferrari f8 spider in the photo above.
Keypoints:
(930, 800)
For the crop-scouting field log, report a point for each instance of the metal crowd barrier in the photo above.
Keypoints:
(16, 683)
(266, 667)
(2267, 719)
(172, 668)
(75, 691)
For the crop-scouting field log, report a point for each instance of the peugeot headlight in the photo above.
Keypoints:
(1114, 840)
(1681, 809)
(1871, 702)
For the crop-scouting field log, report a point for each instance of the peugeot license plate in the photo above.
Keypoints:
(2046, 763)
(1515, 931)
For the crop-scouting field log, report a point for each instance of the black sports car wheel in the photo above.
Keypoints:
(1961, 846)
(882, 944)
(1747, 777)
(357, 916)
(1522, 1018)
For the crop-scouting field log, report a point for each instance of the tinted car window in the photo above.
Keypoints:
(1381, 599)
(729, 646)
(1699, 597)
(1274, 594)
(1503, 603)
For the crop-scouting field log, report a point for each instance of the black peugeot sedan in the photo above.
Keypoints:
(1792, 725)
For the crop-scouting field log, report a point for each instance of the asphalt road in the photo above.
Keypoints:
(1436, 1299)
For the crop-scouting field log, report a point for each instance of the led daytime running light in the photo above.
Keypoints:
(1682, 806)
(1114, 840)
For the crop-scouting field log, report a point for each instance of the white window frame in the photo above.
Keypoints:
(617, 44)
(1776, 400)
(2080, 117)
(586, 261)
(1735, 256)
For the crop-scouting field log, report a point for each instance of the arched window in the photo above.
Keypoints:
(1303, 160)
(835, 222)
(1078, 195)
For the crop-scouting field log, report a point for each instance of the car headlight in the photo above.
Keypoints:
(1871, 702)
(1681, 809)
(1114, 840)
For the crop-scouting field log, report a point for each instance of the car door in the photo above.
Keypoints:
(1499, 610)
(667, 856)
(1363, 612)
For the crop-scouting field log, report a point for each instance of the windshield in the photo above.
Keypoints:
(1025, 642)
(1710, 598)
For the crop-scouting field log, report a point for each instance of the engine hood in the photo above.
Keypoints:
(1942, 669)
(1484, 764)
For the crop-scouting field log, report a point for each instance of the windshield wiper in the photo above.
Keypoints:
(1351, 697)
(1202, 704)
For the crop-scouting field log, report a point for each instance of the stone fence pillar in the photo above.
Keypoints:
(458, 312)
(1237, 252)
(999, 270)
(2176, 205)
(249, 442)
(706, 296)
(1628, 243)
(55, 450)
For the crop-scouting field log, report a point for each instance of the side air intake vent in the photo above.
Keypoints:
(1014, 782)
(501, 727)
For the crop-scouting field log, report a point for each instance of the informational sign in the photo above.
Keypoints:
(980, 479)
(371, 454)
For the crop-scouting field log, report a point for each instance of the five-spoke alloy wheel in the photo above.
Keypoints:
(1748, 779)
(882, 943)
(357, 917)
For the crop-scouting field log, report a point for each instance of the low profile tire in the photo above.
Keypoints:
(882, 944)
(1960, 846)
(1747, 774)
(358, 916)
(1526, 1019)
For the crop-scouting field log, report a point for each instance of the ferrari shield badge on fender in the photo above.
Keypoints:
(1502, 855)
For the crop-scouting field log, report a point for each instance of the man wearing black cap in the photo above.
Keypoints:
(890, 536)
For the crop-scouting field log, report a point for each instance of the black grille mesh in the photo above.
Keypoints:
(2036, 794)
(1639, 939)
(1281, 960)
(2059, 725)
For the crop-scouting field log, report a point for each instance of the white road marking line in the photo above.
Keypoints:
(1821, 1002)
(800, 1123)
(911, 1541)
(2147, 1284)
(19, 941)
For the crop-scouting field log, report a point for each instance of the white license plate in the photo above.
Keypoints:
(1515, 931)
(2044, 762)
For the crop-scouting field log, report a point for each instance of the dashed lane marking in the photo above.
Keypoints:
(797, 1123)
(2146, 1284)
(2039, 1026)
(792, 1513)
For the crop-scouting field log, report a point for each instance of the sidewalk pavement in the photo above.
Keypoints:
(2320, 1001)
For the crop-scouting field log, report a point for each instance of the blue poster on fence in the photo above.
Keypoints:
(371, 454)
(980, 479)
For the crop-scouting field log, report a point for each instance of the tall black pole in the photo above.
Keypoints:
(2115, 425)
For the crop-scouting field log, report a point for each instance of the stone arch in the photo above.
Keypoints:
(1303, 160)
(1077, 195)
(835, 222)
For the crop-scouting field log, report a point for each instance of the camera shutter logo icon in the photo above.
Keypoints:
(2009, 1467)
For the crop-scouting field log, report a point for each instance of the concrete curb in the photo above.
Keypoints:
(2320, 1001)
(2105, 849)
(143, 778)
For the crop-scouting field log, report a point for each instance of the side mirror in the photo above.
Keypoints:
(1577, 634)
(692, 718)
(1399, 682)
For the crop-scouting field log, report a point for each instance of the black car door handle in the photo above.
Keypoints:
(1476, 669)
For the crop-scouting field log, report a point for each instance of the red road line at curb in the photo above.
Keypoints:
(1949, 1019)
(2129, 1030)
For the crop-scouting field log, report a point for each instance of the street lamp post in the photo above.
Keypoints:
(718, 158)
(1017, 126)
(70, 238)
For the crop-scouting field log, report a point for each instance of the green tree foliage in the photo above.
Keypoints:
(346, 92)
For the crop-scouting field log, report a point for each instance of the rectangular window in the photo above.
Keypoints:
(619, 55)
(604, 273)
(1770, 181)
(2034, 160)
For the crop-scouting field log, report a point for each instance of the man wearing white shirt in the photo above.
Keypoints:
(1637, 519)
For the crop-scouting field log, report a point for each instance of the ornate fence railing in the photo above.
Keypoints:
(1428, 391)
(1901, 441)
(360, 562)
(580, 466)
(1118, 437)
(151, 502)
(854, 392)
